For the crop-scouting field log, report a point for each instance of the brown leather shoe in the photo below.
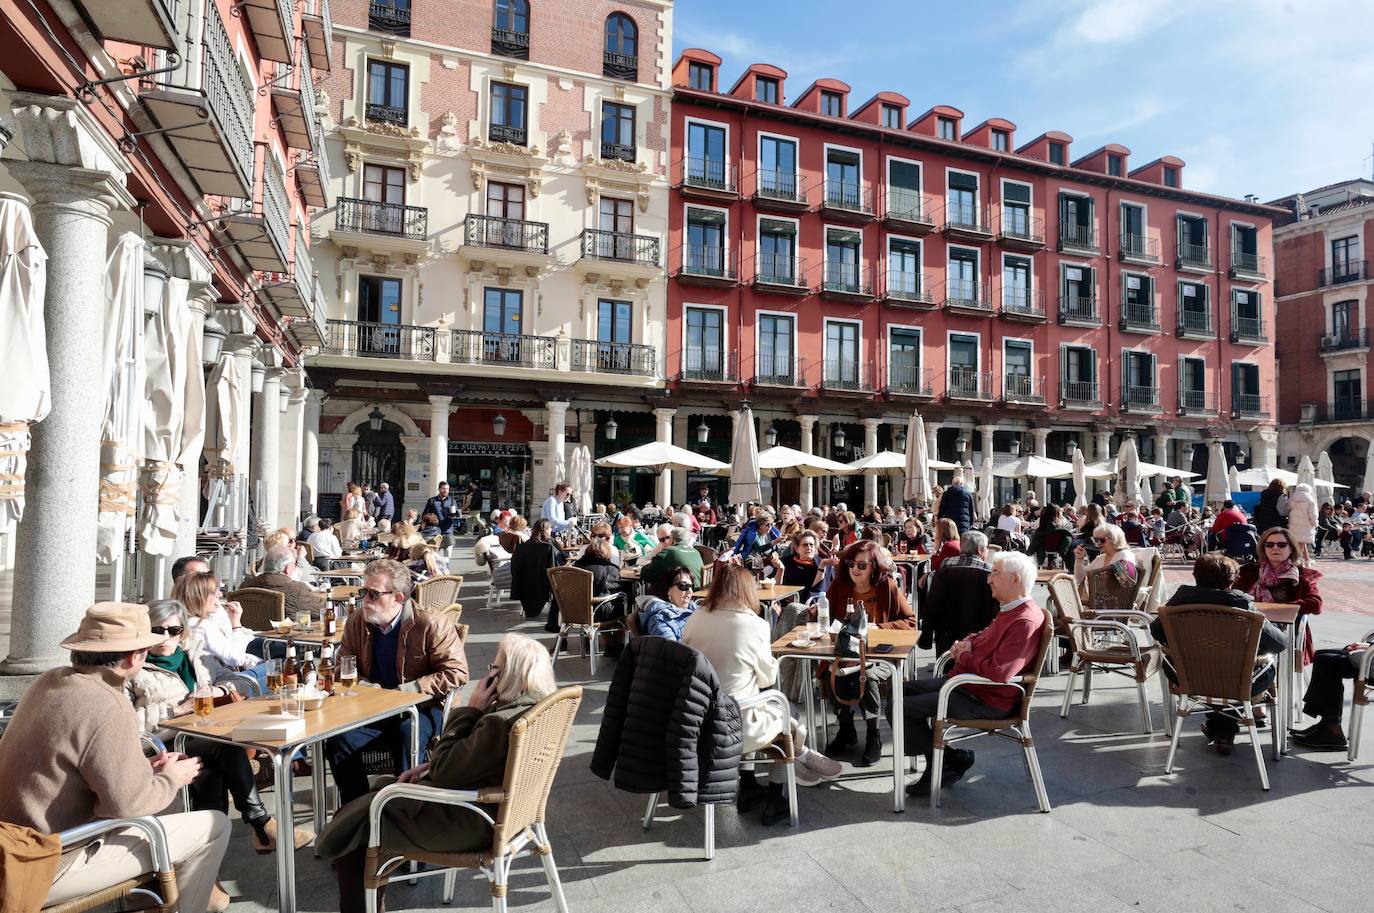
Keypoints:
(219, 900)
(303, 838)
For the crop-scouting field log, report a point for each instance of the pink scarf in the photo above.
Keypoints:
(1269, 577)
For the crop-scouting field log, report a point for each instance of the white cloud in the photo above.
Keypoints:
(1118, 21)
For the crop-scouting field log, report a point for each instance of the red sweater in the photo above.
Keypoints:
(1228, 517)
(1002, 651)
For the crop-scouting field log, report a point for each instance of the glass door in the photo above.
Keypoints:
(501, 326)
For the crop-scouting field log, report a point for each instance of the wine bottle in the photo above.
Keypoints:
(290, 672)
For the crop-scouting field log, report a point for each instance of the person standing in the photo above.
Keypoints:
(445, 507)
(472, 509)
(386, 502)
(556, 508)
(957, 504)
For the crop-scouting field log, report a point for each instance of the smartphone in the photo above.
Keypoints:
(882, 648)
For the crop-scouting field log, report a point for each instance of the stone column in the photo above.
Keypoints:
(932, 447)
(292, 435)
(1264, 448)
(1162, 455)
(1102, 451)
(663, 423)
(555, 461)
(310, 452)
(683, 435)
(54, 576)
(986, 431)
(1040, 437)
(870, 448)
(438, 440)
(808, 445)
(266, 449)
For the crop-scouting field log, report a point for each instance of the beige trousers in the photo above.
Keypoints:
(197, 841)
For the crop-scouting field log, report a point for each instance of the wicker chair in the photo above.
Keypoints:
(437, 593)
(159, 883)
(1152, 563)
(1016, 728)
(1360, 700)
(1105, 593)
(537, 741)
(1212, 650)
(261, 607)
(1104, 642)
(572, 590)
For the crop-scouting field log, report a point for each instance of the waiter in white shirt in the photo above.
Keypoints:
(555, 508)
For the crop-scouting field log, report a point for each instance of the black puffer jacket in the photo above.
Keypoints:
(668, 726)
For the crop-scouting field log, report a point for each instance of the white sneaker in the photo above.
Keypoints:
(805, 775)
(818, 765)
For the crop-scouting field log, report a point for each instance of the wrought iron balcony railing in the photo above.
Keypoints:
(510, 43)
(968, 383)
(968, 218)
(711, 174)
(968, 294)
(1247, 264)
(641, 250)
(707, 261)
(907, 380)
(846, 279)
(505, 133)
(1197, 256)
(904, 285)
(620, 66)
(707, 364)
(1341, 410)
(359, 339)
(1080, 392)
(1138, 248)
(781, 186)
(1018, 225)
(387, 17)
(1344, 271)
(845, 374)
(353, 214)
(1022, 388)
(781, 271)
(1196, 402)
(1077, 238)
(1197, 323)
(909, 206)
(507, 234)
(613, 357)
(1139, 316)
(1140, 399)
(778, 370)
(1250, 405)
(847, 196)
(1247, 329)
(1347, 339)
(621, 151)
(1078, 308)
(474, 347)
(386, 114)
(1023, 301)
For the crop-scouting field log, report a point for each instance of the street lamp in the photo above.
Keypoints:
(1073, 445)
(611, 428)
(212, 342)
(771, 435)
(959, 444)
(258, 373)
(374, 418)
(703, 432)
(901, 440)
(498, 425)
(838, 439)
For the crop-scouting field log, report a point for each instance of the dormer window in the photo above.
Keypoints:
(946, 128)
(832, 104)
(892, 117)
(766, 89)
(1057, 153)
(1001, 140)
(701, 76)
(1170, 176)
(1114, 165)
(621, 58)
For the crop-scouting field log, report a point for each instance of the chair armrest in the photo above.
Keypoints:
(1117, 626)
(1366, 661)
(944, 662)
(152, 828)
(148, 740)
(464, 798)
(763, 698)
(968, 678)
(1128, 614)
(247, 679)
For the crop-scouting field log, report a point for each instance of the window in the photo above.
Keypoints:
(389, 16)
(621, 60)
(1114, 165)
(946, 128)
(1016, 284)
(706, 156)
(1017, 357)
(508, 104)
(1001, 140)
(1138, 300)
(1246, 304)
(613, 321)
(778, 252)
(1245, 247)
(1192, 384)
(778, 168)
(775, 349)
(1078, 374)
(1076, 222)
(505, 201)
(501, 310)
(963, 274)
(842, 271)
(386, 91)
(904, 200)
(1192, 240)
(379, 300)
(961, 200)
(617, 223)
(1170, 176)
(1016, 210)
(832, 104)
(1245, 388)
(705, 354)
(766, 89)
(1079, 293)
(842, 353)
(904, 268)
(963, 364)
(1133, 240)
(1057, 153)
(904, 360)
(1346, 388)
(617, 131)
(382, 184)
(892, 117)
(1194, 308)
(1345, 259)
(842, 179)
(510, 29)
(701, 76)
(1343, 322)
(705, 254)
(1138, 379)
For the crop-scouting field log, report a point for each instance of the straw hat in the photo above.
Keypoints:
(114, 627)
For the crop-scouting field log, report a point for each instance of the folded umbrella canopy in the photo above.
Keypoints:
(1234, 475)
(1307, 473)
(226, 380)
(1218, 487)
(984, 506)
(1080, 481)
(917, 487)
(1326, 473)
(1128, 478)
(580, 478)
(744, 460)
(24, 396)
(121, 433)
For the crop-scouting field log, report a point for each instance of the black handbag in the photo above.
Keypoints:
(851, 659)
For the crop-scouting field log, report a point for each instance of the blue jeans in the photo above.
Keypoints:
(267, 649)
(345, 752)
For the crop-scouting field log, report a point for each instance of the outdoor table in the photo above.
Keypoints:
(775, 593)
(337, 716)
(1286, 615)
(918, 562)
(343, 593)
(311, 636)
(344, 565)
(903, 644)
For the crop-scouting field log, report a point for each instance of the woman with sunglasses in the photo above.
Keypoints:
(1277, 577)
(866, 576)
(227, 645)
(805, 567)
(664, 615)
(1112, 579)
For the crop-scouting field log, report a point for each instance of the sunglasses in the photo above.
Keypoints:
(373, 595)
(663, 538)
(683, 585)
(1099, 540)
(857, 565)
(1276, 543)
(169, 631)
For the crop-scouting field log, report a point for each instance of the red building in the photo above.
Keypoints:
(840, 264)
(1323, 288)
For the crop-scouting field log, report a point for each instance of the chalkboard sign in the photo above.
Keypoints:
(331, 506)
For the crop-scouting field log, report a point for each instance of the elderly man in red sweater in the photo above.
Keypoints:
(1001, 651)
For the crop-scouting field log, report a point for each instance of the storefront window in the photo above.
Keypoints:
(501, 470)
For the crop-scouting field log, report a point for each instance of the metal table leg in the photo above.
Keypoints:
(898, 739)
(1283, 707)
(319, 790)
(286, 825)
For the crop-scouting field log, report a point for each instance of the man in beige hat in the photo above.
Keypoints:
(71, 755)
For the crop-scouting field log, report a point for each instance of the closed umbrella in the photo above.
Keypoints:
(1326, 475)
(918, 486)
(226, 382)
(1233, 478)
(580, 477)
(24, 396)
(1218, 487)
(1367, 484)
(1128, 478)
(1307, 473)
(1080, 481)
(985, 473)
(744, 460)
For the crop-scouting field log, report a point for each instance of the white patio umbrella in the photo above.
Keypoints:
(787, 463)
(1128, 476)
(744, 460)
(1307, 472)
(1031, 466)
(1233, 477)
(660, 455)
(1326, 474)
(1080, 480)
(121, 433)
(24, 396)
(1218, 486)
(985, 474)
(1152, 470)
(226, 381)
(580, 478)
(1261, 476)
(918, 487)
(885, 464)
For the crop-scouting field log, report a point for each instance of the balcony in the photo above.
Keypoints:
(909, 289)
(274, 27)
(1246, 265)
(1022, 304)
(147, 23)
(1341, 410)
(207, 112)
(1079, 394)
(619, 151)
(966, 296)
(295, 106)
(638, 253)
(706, 264)
(1247, 329)
(510, 43)
(356, 216)
(967, 383)
(778, 371)
(1138, 249)
(1023, 390)
(293, 296)
(311, 332)
(907, 209)
(1195, 258)
(1197, 402)
(508, 240)
(847, 281)
(474, 347)
(707, 366)
(1078, 239)
(707, 178)
(620, 66)
(1249, 405)
(262, 233)
(389, 18)
(967, 221)
(596, 357)
(385, 114)
(1139, 318)
(1018, 229)
(846, 200)
(785, 191)
(844, 376)
(1079, 311)
(1135, 398)
(312, 171)
(905, 380)
(1345, 341)
(781, 274)
(1347, 271)
(356, 339)
(317, 28)
(504, 133)
(1195, 325)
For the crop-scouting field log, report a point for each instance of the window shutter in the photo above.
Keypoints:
(1016, 193)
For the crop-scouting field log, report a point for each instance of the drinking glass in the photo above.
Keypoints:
(303, 618)
(204, 703)
(274, 675)
(348, 674)
(291, 701)
(813, 630)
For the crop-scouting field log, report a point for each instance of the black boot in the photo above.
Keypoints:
(873, 747)
(749, 793)
(845, 736)
(775, 807)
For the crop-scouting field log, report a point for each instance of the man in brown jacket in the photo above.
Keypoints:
(397, 645)
(277, 566)
(71, 755)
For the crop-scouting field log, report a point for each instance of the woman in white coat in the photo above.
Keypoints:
(1302, 520)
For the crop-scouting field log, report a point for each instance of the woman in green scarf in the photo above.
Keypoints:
(163, 689)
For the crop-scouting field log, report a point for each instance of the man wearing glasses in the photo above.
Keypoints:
(398, 645)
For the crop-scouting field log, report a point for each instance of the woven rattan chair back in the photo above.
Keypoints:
(1064, 600)
(1105, 593)
(572, 588)
(1212, 649)
(1030, 676)
(261, 607)
(708, 555)
(537, 740)
(438, 593)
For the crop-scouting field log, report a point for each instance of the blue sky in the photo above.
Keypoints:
(1256, 96)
